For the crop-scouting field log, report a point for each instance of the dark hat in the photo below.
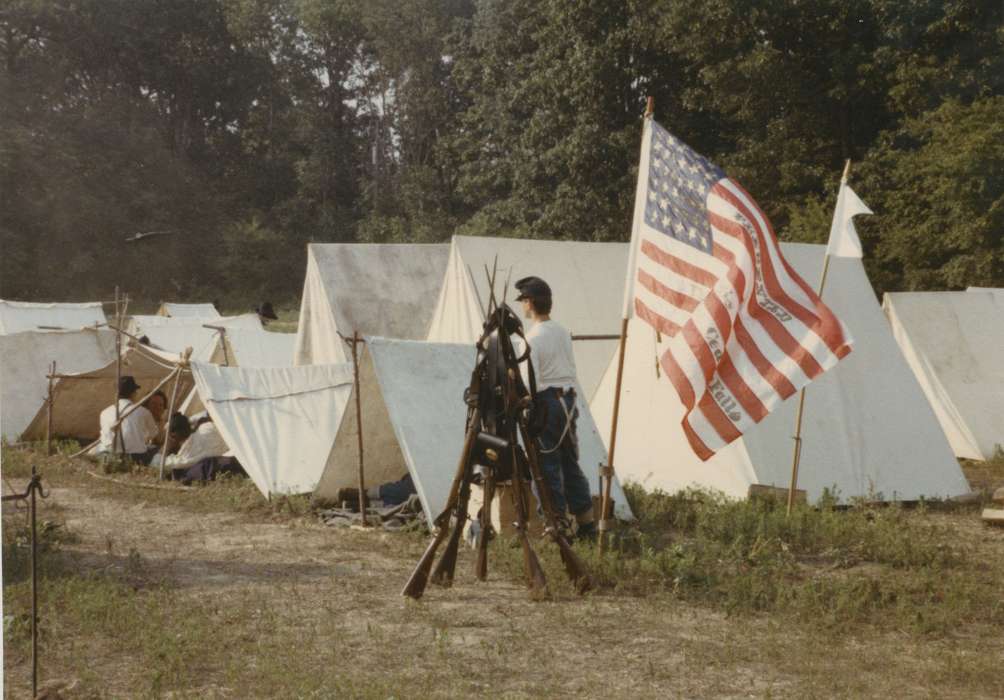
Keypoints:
(127, 385)
(265, 311)
(532, 288)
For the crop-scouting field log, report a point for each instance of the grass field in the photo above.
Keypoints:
(213, 592)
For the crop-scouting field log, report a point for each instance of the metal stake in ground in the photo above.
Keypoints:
(34, 485)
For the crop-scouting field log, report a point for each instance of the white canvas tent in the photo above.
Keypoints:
(253, 348)
(17, 316)
(587, 280)
(188, 310)
(78, 399)
(174, 339)
(413, 422)
(24, 367)
(142, 324)
(375, 289)
(280, 423)
(954, 343)
(867, 430)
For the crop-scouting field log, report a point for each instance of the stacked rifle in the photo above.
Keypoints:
(499, 416)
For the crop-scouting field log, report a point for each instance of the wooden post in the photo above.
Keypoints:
(118, 444)
(48, 411)
(170, 408)
(607, 470)
(359, 426)
(796, 456)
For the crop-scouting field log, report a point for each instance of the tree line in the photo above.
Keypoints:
(237, 131)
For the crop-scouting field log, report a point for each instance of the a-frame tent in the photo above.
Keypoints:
(18, 316)
(370, 288)
(586, 279)
(24, 367)
(141, 324)
(188, 310)
(954, 343)
(413, 422)
(867, 430)
(254, 348)
(280, 423)
(79, 398)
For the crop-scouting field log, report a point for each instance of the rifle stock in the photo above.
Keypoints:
(535, 578)
(573, 565)
(447, 566)
(481, 564)
(419, 578)
(415, 586)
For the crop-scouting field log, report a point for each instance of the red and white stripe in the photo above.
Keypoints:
(734, 352)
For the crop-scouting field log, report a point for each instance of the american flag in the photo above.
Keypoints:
(743, 330)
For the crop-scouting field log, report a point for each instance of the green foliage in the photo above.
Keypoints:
(247, 128)
(862, 565)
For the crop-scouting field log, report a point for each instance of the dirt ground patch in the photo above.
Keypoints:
(151, 597)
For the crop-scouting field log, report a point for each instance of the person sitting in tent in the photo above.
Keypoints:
(157, 406)
(138, 429)
(392, 493)
(198, 451)
(554, 365)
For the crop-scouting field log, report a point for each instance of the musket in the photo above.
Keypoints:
(573, 565)
(535, 579)
(442, 575)
(415, 586)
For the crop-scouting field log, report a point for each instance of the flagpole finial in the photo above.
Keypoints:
(650, 107)
(847, 172)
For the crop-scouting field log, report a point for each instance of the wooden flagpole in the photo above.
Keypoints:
(797, 454)
(607, 470)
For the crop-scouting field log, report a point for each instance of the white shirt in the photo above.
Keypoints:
(138, 428)
(552, 356)
(204, 443)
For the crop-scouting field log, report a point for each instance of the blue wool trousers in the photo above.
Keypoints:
(559, 454)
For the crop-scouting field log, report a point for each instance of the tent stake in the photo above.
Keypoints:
(359, 427)
(796, 456)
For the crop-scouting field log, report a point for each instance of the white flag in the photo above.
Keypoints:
(844, 241)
